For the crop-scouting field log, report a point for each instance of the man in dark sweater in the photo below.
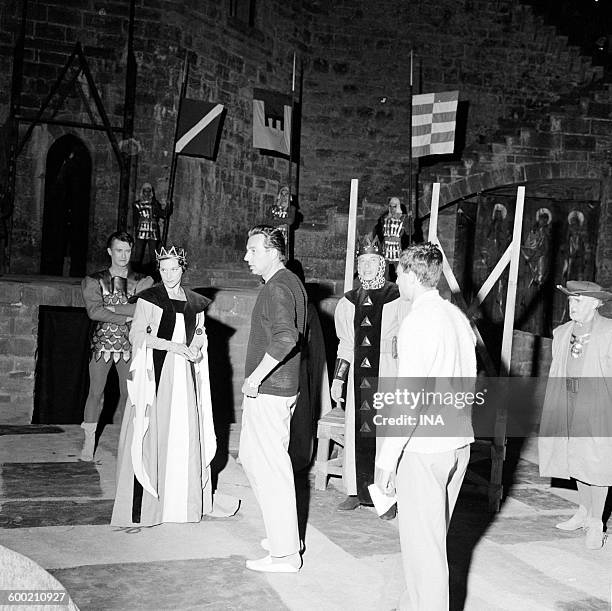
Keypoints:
(270, 391)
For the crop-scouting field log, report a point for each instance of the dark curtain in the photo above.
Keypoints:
(61, 376)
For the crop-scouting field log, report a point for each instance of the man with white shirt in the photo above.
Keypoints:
(435, 341)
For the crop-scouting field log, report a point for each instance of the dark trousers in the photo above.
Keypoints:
(139, 249)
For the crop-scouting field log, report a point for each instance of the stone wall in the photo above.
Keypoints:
(355, 91)
(501, 58)
(228, 325)
(229, 315)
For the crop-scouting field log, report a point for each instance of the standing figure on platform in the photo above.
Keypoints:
(147, 212)
(282, 215)
(106, 295)
(435, 342)
(271, 385)
(167, 436)
(576, 426)
(390, 230)
(367, 320)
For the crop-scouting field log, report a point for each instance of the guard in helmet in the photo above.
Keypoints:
(367, 320)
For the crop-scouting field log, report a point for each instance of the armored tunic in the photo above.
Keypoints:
(283, 218)
(148, 226)
(110, 339)
(393, 228)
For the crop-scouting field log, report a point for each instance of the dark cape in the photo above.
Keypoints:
(367, 325)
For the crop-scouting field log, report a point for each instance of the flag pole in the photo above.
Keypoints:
(417, 172)
(290, 176)
(289, 245)
(170, 195)
(351, 237)
(410, 207)
(128, 157)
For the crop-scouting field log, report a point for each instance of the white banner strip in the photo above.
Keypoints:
(184, 140)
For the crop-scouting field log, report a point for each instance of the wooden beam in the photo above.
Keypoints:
(54, 89)
(453, 284)
(433, 213)
(351, 238)
(93, 90)
(64, 123)
(498, 449)
(498, 270)
(506, 353)
(128, 165)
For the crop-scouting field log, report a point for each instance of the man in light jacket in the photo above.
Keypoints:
(435, 343)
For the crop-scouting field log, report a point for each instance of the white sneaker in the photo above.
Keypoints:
(267, 565)
(594, 535)
(578, 520)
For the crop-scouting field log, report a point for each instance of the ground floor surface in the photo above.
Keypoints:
(56, 510)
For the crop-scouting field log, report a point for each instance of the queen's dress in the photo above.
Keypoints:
(167, 438)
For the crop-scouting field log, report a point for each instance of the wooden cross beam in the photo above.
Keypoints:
(511, 257)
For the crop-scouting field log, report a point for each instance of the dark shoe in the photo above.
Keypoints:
(390, 513)
(349, 503)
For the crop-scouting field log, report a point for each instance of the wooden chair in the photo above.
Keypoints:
(330, 431)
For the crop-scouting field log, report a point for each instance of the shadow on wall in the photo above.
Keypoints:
(316, 294)
(221, 375)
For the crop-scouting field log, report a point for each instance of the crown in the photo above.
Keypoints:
(368, 246)
(171, 253)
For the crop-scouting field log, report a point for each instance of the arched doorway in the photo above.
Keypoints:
(66, 208)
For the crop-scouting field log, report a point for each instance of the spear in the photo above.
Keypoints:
(170, 197)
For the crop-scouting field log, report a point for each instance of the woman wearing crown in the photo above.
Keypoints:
(167, 438)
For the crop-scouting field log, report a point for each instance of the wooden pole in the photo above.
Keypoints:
(95, 94)
(498, 270)
(452, 281)
(54, 89)
(300, 98)
(289, 245)
(128, 157)
(351, 238)
(290, 172)
(432, 235)
(170, 196)
(410, 210)
(498, 450)
(506, 353)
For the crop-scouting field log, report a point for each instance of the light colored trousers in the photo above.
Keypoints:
(264, 440)
(427, 489)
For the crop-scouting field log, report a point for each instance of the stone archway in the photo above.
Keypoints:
(556, 191)
(66, 208)
(483, 177)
